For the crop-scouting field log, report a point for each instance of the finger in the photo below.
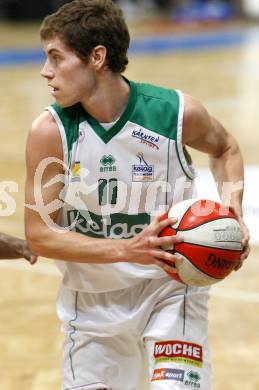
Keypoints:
(245, 254)
(170, 269)
(243, 257)
(166, 256)
(240, 264)
(171, 272)
(160, 225)
(245, 241)
(167, 267)
(177, 258)
(165, 242)
(169, 241)
(33, 259)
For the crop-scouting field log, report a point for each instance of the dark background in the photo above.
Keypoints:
(19, 10)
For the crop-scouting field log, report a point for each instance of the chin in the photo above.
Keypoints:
(65, 104)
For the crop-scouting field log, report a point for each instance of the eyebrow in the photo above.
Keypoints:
(53, 50)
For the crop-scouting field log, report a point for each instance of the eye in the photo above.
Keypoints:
(55, 58)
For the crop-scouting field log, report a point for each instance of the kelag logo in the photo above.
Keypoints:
(114, 226)
(142, 171)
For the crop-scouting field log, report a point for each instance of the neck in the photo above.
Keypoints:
(109, 99)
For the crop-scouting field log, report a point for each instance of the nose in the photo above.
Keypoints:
(46, 71)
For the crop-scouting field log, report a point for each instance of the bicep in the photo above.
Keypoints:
(201, 131)
(44, 174)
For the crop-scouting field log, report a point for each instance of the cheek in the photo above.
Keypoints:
(75, 84)
(85, 82)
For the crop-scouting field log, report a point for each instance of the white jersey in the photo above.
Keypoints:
(119, 179)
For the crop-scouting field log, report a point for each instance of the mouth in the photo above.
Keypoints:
(53, 89)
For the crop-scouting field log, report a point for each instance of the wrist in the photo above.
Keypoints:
(121, 250)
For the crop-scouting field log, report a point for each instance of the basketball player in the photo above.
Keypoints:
(101, 162)
(15, 248)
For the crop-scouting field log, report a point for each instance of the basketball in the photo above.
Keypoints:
(212, 241)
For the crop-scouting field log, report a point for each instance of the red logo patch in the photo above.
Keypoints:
(189, 353)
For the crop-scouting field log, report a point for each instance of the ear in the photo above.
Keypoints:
(98, 57)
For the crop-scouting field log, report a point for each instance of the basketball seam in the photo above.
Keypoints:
(184, 215)
(204, 272)
(202, 223)
(211, 247)
(235, 242)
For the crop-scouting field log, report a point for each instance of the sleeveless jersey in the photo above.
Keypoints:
(118, 180)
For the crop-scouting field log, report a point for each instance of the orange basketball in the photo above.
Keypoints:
(212, 241)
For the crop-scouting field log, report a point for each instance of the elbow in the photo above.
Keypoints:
(34, 245)
(38, 242)
(227, 149)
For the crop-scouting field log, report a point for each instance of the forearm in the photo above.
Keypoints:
(10, 247)
(75, 247)
(228, 172)
(144, 248)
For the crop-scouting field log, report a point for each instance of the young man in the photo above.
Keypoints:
(15, 248)
(106, 160)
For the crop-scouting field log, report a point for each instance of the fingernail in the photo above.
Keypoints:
(171, 270)
(179, 257)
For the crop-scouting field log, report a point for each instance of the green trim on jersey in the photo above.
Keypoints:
(181, 163)
(157, 109)
(70, 117)
(105, 135)
(152, 107)
(167, 171)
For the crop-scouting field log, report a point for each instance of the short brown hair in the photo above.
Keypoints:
(85, 24)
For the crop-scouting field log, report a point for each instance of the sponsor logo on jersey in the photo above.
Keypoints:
(114, 226)
(107, 163)
(146, 138)
(142, 172)
(193, 379)
(183, 351)
(75, 171)
(172, 374)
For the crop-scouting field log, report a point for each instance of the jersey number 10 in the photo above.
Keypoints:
(107, 191)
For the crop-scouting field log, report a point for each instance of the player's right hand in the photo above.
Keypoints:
(146, 246)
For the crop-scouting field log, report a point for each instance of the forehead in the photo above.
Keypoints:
(55, 44)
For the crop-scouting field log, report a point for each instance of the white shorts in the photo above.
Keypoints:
(150, 336)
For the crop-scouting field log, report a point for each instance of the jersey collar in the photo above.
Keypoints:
(105, 135)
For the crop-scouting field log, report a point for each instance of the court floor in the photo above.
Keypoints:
(226, 80)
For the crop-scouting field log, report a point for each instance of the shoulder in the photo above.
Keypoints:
(193, 108)
(44, 136)
(150, 91)
(44, 125)
(155, 103)
(196, 118)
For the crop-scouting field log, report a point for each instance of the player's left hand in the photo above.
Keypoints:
(245, 242)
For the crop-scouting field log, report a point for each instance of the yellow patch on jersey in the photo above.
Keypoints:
(76, 169)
